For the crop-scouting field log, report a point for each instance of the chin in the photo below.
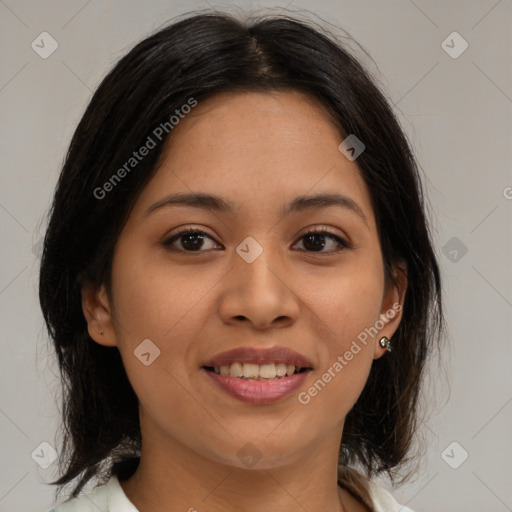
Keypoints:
(261, 451)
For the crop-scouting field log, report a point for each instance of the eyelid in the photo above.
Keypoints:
(322, 228)
(185, 229)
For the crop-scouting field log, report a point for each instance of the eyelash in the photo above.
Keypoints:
(342, 243)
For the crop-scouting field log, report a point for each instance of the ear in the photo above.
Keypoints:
(392, 307)
(98, 313)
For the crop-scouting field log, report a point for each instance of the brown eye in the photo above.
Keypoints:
(316, 240)
(190, 240)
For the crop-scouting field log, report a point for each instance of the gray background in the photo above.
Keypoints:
(457, 113)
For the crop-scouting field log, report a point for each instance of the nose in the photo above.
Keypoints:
(259, 293)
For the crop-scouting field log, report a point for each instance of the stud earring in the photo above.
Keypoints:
(385, 342)
(101, 332)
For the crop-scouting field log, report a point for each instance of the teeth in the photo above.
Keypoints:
(267, 371)
(236, 370)
(281, 369)
(256, 372)
(251, 371)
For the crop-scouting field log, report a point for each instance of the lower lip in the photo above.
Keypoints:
(258, 391)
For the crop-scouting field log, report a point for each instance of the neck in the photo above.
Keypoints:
(172, 477)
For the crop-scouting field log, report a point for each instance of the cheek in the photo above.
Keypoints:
(156, 299)
(349, 300)
(351, 308)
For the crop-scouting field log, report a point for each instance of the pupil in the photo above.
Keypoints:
(309, 241)
(196, 240)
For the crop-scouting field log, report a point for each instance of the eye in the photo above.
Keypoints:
(315, 241)
(191, 240)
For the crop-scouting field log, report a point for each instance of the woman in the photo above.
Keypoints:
(238, 277)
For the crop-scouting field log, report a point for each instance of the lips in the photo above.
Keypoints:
(258, 375)
(257, 391)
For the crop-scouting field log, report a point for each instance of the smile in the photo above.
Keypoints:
(258, 375)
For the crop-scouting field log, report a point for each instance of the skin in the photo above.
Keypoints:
(260, 151)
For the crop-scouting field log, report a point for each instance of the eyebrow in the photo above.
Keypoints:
(221, 205)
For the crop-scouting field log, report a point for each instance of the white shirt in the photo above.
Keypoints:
(110, 497)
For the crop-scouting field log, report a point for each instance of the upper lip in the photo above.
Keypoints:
(258, 355)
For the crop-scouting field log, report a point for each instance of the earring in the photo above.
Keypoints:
(101, 332)
(385, 342)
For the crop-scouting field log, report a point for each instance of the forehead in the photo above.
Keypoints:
(244, 121)
(260, 149)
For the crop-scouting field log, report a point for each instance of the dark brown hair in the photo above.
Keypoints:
(197, 57)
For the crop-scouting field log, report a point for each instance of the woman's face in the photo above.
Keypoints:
(255, 282)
